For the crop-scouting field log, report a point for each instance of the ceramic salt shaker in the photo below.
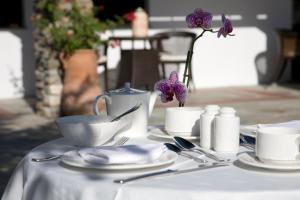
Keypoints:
(206, 125)
(226, 133)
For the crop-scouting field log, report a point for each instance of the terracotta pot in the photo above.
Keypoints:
(81, 84)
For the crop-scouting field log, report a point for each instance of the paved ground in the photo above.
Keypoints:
(21, 130)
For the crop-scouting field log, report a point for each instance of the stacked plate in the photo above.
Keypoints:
(126, 157)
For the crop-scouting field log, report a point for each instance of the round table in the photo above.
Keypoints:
(53, 180)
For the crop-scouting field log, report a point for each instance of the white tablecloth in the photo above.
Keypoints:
(53, 181)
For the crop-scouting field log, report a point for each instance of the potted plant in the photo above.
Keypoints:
(71, 28)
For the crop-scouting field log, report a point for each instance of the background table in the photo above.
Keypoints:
(54, 181)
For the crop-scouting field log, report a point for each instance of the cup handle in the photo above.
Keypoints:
(97, 99)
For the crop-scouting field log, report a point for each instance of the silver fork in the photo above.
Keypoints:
(119, 142)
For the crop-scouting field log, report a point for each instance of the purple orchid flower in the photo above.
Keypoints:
(191, 20)
(226, 28)
(199, 19)
(170, 87)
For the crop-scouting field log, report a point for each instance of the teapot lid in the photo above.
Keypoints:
(126, 90)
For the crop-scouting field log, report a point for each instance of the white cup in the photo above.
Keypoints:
(278, 145)
(183, 121)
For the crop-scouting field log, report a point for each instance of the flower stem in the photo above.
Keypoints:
(187, 75)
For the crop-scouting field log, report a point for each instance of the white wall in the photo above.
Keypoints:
(16, 59)
(249, 58)
(11, 82)
(228, 62)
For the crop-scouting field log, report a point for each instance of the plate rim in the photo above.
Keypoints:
(258, 164)
(166, 135)
(116, 167)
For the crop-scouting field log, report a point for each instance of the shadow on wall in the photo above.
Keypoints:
(28, 60)
(265, 15)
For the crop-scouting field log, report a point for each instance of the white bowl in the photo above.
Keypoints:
(183, 121)
(91, 130)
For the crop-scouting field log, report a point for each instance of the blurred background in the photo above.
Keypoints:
(253, 54)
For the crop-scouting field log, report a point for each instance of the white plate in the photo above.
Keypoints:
(72, 158)
(250, 159)
(159, 132)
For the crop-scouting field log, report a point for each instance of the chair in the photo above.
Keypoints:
(103, 62)
(289, 49)
(139, 66)
(173, 47)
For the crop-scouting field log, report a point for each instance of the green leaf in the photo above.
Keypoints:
(85, 26)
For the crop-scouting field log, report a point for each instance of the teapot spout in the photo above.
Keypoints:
(152, 100)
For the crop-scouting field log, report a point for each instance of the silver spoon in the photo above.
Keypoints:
(185, 144)
(134, 108)
(174, 148)
(45, 159)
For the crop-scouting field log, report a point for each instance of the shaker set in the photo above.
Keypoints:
(219, 129)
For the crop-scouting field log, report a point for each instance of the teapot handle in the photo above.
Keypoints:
(95, 103)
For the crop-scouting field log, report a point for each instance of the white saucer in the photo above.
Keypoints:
(250, 159)
(159, 132)
(72, 158)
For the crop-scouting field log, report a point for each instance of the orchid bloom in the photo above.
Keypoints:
(170, 87)
(226, 28)
(199, 19)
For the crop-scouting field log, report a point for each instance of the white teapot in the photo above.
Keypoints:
(120, 100)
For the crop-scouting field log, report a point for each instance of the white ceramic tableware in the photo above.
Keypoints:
(72, 158)
(251, 130)
(183, 121)
(90, 131)
(226, 137)
(159, 132)
(249, 158)
(206, 125)
(120, 100)
(278, 145)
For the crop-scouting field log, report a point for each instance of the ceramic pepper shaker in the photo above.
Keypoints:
(206, 125)
(226, 133)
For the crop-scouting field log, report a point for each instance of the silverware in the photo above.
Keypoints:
(119, 142)
(185, 149)
(46, 158)
(134, 108)
(176, 149)
(185, 144)
(246, 144)
(168, 172)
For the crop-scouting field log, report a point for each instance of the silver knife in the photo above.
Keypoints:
(169, 172)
